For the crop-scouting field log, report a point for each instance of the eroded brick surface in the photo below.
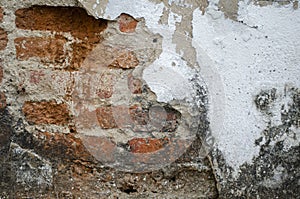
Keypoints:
(114, 116)
(134, 84)
(46, 112)
(125, 60)
(1, 14)
(1, 74)
(3, 39)
(106, 83)
(61, 19)
(127, 23)
(146, 145)
(47, 49)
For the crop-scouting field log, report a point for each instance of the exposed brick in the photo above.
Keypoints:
(3, 39)
(48, 49)
(127, 23)
(46, 112)
(55, 146)
(61, 19)
(139, 115)
(125, 59)
(146, 145)
(121, 116)
(113, 117)
(80, 52)
(1, 14)
(134, 84)
(165, 120)
(1, 74)
(172, 120)
(36, 76)
(106, 82)
(2, 100)
(105, 117)
(100, 147)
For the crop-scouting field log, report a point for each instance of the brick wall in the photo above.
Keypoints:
(62, 72)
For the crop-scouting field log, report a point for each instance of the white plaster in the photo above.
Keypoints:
(151, 12)
(245, 61)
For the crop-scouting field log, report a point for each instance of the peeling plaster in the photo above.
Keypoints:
(247, 60)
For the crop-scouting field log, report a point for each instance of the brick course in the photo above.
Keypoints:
(61, 19)
(1, 14)
(3, 39)
(47, 49)
(46, 112)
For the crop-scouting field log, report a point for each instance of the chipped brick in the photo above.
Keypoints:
(127, 23)
(46, 112)
(3, 39)
(146, 145)
(48, 49)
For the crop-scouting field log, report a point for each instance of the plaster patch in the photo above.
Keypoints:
(246, 59)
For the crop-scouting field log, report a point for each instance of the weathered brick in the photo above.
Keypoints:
(106, 83)
(36, 76)
(121, 116)
(125, 59)
(1, 14)
(101, 147)
(105, 117)
(134, 84)
(2, 100)
(127, 23)
(46, 112)
(146, 145)
(61, 19)
(48, 49)
(1, 74)
(138, 115)
(113, 117)
(79, 54)
(3, 39)
(170, 117)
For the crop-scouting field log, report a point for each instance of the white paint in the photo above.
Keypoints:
(151, 12)
(243, 57)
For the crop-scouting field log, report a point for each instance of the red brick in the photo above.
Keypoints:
(100, 147)
(125, 59)
(2, 100)
(127, 23)
(1, 73)
(105, 117)
(134, 84)
(60, 146)
(146, 145)
(36, 76)
(3, 39)
(121, 116)
(1, 14)
(46, 112)
(113, 117)
(61, 19)
(48, 49)
(106, 82)
(80, 52)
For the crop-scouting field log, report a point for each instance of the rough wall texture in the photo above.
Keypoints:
(149, 99)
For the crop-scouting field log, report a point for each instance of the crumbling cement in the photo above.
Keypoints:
(217, 50)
